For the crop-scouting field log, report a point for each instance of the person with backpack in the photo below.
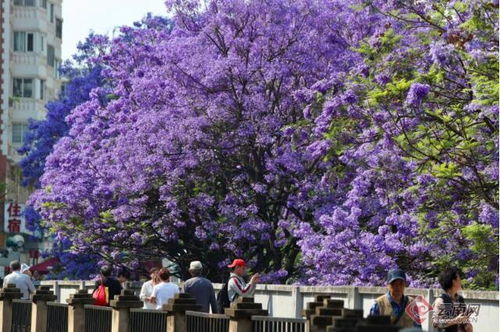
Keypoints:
(236, 285)
(449, 315)
(394, 302)
(106, 287)
(200, 288)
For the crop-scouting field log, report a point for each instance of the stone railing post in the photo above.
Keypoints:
(176, 308)
(324, 312)
(76, 310)
(311, 309)
(121, 305)
(240, 314)
(8, 294)
(39, 308)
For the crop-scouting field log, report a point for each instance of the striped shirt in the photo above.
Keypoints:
(237, 287)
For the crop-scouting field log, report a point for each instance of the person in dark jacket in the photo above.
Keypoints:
(448, 313)
(200, 288)
(113, 285)
(124, 277)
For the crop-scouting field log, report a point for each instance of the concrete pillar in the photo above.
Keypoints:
(76, 310)
(57, 291)
(354, 298)
(39, 308)
(120, 319)
(430, 298)
(8, 294)
(297, 301)
(240, 314)
(176, 308)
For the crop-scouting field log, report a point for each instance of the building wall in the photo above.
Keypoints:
(17, 110)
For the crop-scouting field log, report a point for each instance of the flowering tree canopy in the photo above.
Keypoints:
(416, 171)
(324, 141)
(83, 76)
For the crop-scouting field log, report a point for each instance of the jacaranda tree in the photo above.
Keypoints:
(83, 76)
(412, 132)
(297, 134)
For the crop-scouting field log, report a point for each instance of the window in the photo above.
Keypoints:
(23, 87)
(43, 4)
(42, 43)
(51, 13)
(19, 41)
(24, 41)
(29, 3)
(51, 55)
(42, 89)
(30, 42)
(59, 28)
(57, 65)
(63, 89)
(18, 132)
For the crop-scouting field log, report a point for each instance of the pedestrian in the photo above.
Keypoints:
(124, 277)
(106, 288)
(165, 290)
(449, 314)
(237, 286)
(25, 269)
(21, 280)
(394, 302)
(200, 288)
(147, 289)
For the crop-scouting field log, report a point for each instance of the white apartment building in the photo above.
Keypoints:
(32, 54)
(30, 47)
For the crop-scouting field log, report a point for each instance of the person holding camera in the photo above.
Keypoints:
(237, 286)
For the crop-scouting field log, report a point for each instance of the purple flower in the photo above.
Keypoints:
(417, 93)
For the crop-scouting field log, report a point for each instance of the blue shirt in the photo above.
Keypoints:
(202, 290)
(397, 309)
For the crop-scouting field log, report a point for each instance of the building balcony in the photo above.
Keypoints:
(29, 58)
(23, 109)
(31, 18)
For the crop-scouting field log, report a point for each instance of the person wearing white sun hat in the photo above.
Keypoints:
(200, 288)
(21, 280)
(25, 268)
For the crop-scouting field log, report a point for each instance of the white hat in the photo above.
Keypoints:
(195, 265)
(24, 267)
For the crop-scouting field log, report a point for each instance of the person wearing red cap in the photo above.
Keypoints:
(237, 286)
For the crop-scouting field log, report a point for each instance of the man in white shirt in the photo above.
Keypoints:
(165, 290)
(22, 281)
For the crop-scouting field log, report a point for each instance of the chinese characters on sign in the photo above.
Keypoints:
(14, 218)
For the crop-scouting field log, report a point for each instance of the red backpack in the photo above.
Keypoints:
(101, 295)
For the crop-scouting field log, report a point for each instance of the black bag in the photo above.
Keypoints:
(223, 299)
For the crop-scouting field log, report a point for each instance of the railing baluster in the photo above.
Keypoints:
(201, 321)
(278, 324)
